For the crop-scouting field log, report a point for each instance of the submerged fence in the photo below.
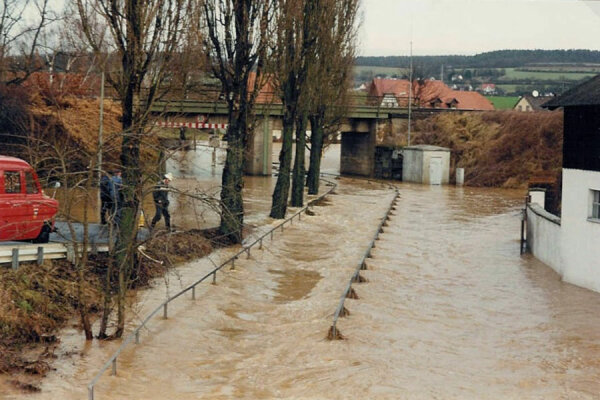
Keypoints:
(349, 293)
(134, 336)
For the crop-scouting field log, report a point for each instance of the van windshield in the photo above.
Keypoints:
(12, 182)
(30, 185)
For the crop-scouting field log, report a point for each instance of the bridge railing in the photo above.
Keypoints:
(134, 336)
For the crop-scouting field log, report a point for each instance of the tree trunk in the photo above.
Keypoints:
(232, 184)
(316, 151)
(106, 308)
(132, 181)
(282, 187)
(82, 262)
(299, 174)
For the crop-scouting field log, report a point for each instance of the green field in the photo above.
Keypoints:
(387, 71)
(503, 102)
(513, 73)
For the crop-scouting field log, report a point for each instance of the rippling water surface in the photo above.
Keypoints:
(450, 311)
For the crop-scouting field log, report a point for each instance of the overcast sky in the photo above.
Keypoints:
(474, 26)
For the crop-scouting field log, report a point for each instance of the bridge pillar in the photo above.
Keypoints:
(358, 152)
(260, 148)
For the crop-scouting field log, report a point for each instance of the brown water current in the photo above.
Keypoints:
(450, 311)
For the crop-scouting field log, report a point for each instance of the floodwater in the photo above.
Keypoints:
(450, 311)
(194, 204)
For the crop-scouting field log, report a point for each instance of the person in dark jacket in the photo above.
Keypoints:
(107, 196)
(161, 201)
(117, 182)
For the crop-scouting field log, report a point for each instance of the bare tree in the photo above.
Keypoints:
(143, 36)
(238, 32)
(290, 65)
(330, 76)
(21, 37)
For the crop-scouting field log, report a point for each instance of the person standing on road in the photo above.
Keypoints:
(107, 195)
(117, 181)
(161, 201)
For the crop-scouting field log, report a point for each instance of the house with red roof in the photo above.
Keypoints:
(425, 94)
(488, 88)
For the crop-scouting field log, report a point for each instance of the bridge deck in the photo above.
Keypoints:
(220, 108)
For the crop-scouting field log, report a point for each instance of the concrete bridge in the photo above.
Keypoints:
(358, 130)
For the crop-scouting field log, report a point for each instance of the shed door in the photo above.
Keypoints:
(435, 171)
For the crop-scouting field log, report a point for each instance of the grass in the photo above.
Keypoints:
(503, 102)
(513, 73)
(388, 71)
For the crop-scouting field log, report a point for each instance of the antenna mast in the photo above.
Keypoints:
(410, 84)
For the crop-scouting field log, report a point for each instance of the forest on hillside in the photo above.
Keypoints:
(492, 59)
(514, 72)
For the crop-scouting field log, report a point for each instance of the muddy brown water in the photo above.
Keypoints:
(196, 179)
(450, 311)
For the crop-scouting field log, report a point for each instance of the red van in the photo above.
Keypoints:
(26, 213)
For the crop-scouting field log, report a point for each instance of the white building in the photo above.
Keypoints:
(573, 247)
(426, 164)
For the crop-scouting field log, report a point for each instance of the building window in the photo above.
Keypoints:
(595, 214)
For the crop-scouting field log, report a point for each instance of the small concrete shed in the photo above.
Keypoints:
(426, 164)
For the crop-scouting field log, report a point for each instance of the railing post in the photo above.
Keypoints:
(248, 252)
(193, 292)
(114, 367)
(214, 278)
(15, 258)
(90, 393)
(233, 263)
(40, 255)
(165, 314)
(137, 336)
(260, 244)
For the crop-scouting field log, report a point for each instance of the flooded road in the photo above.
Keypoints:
(450, 311)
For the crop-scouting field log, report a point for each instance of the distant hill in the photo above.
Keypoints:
(514, 72)
(492, 59)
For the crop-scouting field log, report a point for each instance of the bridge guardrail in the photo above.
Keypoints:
(135, 334)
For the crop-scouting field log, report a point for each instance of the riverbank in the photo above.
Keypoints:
(38, 301)
(504, 149)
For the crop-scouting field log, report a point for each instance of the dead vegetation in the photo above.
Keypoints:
(501, 149)
(36, 301)
(174, 248)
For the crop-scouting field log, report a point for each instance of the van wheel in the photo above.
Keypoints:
(44, 235)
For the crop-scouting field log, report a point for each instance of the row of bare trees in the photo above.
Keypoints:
(305, 49)
(313, 53)
(147, 48)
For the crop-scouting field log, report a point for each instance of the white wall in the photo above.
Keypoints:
(415, 165)
(412, 165)
(580, 237)
(544, 236)
(445, 156)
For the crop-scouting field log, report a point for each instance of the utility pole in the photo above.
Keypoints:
(410, 81)
(100, 142)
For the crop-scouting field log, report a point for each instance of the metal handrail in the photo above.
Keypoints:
(135, 334)
(334, 333)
